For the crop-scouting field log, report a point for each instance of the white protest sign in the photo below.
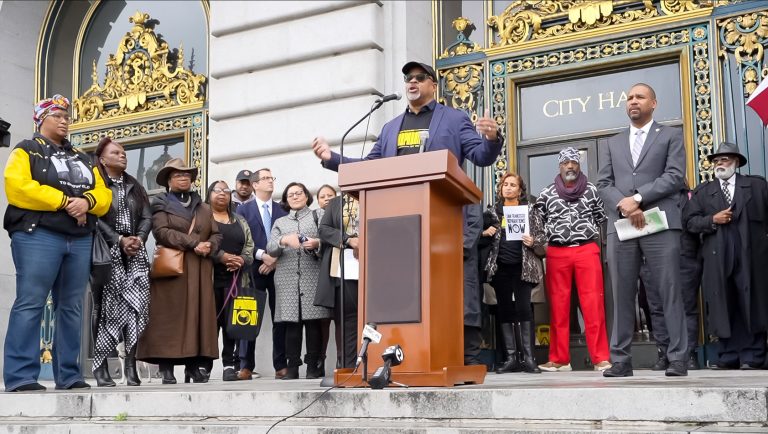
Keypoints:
(516, 222)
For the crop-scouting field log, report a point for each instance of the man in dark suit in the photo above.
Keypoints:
(641, 168)
(426, 126)
(730, 213)
(260, 214)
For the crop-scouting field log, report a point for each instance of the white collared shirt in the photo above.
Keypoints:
(633, 133)
(731, 185)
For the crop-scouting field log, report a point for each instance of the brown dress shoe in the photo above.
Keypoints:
(280, 373)
(245, 374)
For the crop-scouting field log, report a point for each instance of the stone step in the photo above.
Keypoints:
(549, 402)
(372, 426)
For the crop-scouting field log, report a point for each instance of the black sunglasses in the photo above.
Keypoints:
(419, 77)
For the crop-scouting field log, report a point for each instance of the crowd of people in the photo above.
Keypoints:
(241, 238)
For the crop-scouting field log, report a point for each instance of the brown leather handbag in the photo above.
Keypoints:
(169, 262)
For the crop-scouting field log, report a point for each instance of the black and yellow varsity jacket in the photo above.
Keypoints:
(37, 198)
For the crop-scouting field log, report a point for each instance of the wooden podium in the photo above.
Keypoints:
(411, 265)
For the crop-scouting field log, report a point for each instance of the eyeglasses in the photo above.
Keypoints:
(221, 190)
(61, 118)
(419, 77)
(181, 175)
(723, 159)
(295, 194)
(267, 178)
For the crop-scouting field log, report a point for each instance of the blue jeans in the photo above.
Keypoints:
(46, 262)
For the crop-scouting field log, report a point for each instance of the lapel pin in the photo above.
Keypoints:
(657, 129)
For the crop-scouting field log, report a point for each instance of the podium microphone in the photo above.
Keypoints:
(369, 334)
(392, 97)
(392, 356)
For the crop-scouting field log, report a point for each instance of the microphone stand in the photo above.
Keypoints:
(377, 105)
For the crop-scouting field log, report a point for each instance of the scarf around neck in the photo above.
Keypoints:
(575, 191)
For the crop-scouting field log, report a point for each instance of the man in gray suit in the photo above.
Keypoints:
(641, 168)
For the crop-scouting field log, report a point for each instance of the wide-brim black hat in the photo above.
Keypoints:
(174, 165)
(727, 148)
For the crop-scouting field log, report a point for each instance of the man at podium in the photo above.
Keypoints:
(426, 125)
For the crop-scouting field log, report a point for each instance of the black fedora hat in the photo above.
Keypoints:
(727, 148)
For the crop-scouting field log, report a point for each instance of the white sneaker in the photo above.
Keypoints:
(555, 367)
(602, 366)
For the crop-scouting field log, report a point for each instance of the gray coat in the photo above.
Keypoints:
(297, 270)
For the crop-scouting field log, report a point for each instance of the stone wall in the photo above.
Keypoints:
(19, 26)
(284, 72)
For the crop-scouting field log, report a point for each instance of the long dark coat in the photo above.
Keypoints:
(750, 202)
(182, 310)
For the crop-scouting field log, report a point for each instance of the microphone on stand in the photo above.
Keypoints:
(391, 97)
(369, 334)
(392, 356)
(340, 222)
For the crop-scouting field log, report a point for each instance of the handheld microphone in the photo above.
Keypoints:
(392, 356)
(392, 97)
(369, 334)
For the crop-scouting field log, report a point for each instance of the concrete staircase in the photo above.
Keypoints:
(576, 402)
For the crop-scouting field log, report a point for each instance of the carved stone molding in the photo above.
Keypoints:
(144, 74)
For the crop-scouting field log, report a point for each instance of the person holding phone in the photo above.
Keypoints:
(295, 243)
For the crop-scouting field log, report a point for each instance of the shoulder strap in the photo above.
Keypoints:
(194, 217)
(314, 216)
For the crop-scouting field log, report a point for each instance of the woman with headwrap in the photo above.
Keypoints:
(54, 199)
(121, 304)
(182, 310)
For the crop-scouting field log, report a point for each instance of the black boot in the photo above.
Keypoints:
(662, 363)
(192, 372)
(313, 371)
(101, 374)
(166, 370)
(526, 342)
(131, 373)
(512, 364)
(292, 373)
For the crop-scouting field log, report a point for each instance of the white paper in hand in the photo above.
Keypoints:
(515, 222)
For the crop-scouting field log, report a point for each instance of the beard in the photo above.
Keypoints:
(570, 176)
(724, 172)
(413, 96)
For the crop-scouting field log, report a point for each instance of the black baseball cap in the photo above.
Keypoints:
(413, 64)
(244, 174)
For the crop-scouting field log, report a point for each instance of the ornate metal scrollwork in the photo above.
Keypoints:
(462, 45)
(462, 88)
(144, 74)
(745, 36)
(526, 20)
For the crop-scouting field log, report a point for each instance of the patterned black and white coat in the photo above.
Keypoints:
(532, 268)
(571, 223)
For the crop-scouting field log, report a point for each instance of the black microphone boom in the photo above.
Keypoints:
(375, 107)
